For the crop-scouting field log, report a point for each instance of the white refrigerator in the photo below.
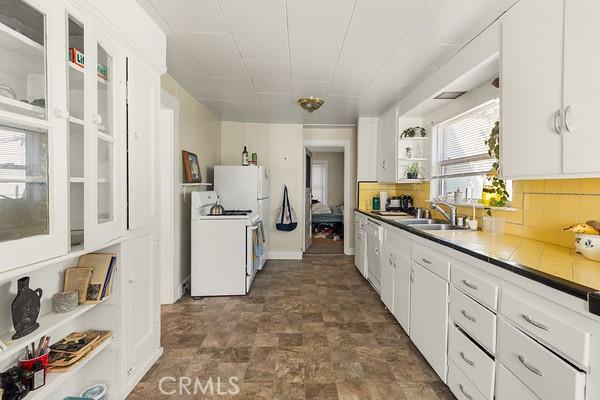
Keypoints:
(245, 188)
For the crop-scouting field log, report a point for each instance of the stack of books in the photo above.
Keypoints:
(92, 277)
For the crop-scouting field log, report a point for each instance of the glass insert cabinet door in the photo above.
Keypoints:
(33, 179)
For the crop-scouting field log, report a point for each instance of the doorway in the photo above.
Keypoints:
(326, 197)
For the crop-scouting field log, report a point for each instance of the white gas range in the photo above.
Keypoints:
(226, 249)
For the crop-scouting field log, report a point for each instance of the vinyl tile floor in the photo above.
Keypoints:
(310, 329)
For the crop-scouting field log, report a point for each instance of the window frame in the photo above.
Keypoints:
(438, 164)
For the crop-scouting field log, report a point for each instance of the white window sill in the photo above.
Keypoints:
(477, 205)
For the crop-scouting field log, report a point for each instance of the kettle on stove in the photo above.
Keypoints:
(217, 209)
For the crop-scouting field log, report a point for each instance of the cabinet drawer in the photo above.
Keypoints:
(548, 376)
(510, 388)
(461, 386)
(436, 262)
(473, 361)
(567, 339)
(474, 318)
(479, 288)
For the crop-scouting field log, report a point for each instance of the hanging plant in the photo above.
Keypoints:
(414, 131)
(499, 185)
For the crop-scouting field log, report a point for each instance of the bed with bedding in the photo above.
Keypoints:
(324, 214)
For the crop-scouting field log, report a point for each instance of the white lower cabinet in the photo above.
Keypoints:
(477, 320)
(402, 291)
(360, 243)
(429, 317)
(508, 387)
(547, 375)
(388, 274)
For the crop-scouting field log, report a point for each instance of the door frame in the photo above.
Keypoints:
(345, 144)
(307, 191)
(170, 205)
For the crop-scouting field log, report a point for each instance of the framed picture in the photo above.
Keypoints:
(192, 167)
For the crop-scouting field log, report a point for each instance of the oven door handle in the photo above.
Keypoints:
(250, 249)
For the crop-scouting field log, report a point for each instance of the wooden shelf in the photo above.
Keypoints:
(55, 379)
(411, 180)
(48, 323)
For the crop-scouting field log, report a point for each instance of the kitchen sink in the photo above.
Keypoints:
(420, 221)
(438, 227)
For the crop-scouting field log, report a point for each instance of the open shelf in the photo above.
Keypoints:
(414, 138)
(411, 180)
(412, 159)
(48, 323)
(55, 379)
(196, 184)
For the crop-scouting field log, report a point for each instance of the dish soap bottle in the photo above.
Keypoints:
(245, 157)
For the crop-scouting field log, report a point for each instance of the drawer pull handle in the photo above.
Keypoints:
(462, 389)
(533, 369)
(468, 316)
(426, 261)
(535, 323)
(465, 359)
(470, 285)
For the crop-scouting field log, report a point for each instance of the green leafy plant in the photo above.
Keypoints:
(413, 170)
(414, 131)
(498, 184)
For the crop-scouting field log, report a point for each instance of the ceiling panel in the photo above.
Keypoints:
(259, 28)
(217, 53)
(192, 15)
(270, 76)
(309, 88)
(319, 19)
(314, 60)
(236, 89)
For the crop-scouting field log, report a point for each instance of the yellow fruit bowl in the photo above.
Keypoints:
(588, 246)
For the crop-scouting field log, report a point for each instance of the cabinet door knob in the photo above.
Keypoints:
(557, 121)
(97, 119)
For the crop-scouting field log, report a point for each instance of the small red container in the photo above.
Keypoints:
(28, 364)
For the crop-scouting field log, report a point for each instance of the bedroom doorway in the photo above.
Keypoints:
(325, 193)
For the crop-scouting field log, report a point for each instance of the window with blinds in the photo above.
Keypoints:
(462, 155)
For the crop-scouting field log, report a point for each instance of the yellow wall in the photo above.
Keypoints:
(543, 207)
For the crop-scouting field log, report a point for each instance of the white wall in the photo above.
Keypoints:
(280, 149)
(335, 175)
(366, 153)
(341, 134)
(199, 133)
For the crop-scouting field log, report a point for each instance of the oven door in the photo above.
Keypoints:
(252, 258)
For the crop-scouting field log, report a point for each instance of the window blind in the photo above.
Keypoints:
(461, 142)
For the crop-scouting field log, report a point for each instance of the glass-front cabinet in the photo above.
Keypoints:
(62, 130)
(33, 214)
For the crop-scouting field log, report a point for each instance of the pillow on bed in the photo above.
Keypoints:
(320, 208)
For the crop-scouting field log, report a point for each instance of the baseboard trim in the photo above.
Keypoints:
(285, 255)
(137, 376)
(350, 251)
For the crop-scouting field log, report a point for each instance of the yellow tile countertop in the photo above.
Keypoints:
(550, 264)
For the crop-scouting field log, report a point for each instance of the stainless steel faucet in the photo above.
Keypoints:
(450, 217)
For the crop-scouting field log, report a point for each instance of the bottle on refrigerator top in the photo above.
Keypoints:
(245, 157)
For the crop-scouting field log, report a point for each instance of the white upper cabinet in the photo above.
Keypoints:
(387, 133)
(531, 79)
(33, 170)
(549, 87)
(582, 86)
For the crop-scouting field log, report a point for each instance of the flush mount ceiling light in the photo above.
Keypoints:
(449, 95)
(310, 104)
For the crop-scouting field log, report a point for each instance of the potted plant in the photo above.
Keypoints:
(413, 170)
(497, 190)
(413, 131)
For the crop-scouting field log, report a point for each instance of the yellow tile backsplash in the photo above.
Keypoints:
(543, 207)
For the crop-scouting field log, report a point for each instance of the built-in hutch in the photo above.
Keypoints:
(79, 101)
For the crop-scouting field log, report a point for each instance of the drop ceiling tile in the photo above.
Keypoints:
(375, 31)
(314, 60)
(188, 72)
(352, 79)
(192, 15)
(217, 53)
(236, 89)
(409, 3)
(309, 88)
(259, 28)
(319, 19)
(269, 76)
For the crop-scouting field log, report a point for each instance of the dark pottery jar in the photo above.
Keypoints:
(25, 309)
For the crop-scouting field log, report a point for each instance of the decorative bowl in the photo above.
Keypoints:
(588, 246)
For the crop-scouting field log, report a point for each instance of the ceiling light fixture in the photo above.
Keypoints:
(449, 95)
(310, 104)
